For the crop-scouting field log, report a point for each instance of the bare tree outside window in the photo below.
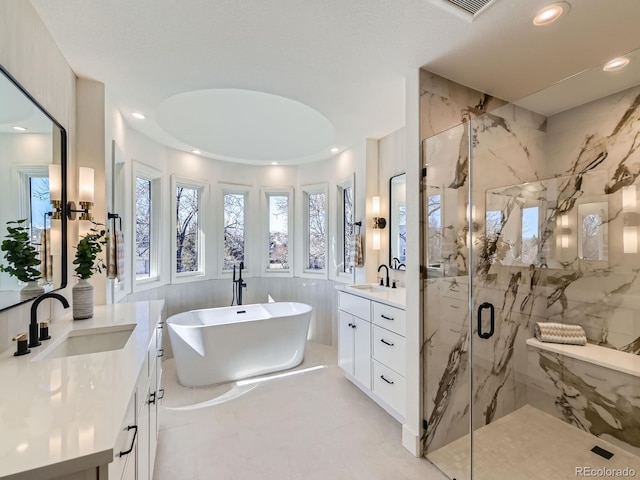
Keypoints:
(317, 229)
(347, 226)
(234, 204)
(434, 219)
(143, 228)
(278, 232)
(187, 229)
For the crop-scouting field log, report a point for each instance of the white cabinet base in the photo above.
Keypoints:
(386, 407)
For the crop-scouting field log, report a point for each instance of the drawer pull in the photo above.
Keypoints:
(133, 440)
(387, 318)
(161, 325)
(160, 352)
(385, 342)
(388, 381)
(152, 398)
(161, 391)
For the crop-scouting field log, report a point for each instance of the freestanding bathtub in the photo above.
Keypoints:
(217, 345)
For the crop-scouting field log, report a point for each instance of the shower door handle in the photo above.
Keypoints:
(492, 314)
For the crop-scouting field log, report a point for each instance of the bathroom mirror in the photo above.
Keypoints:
(31, 140)
(542, 224)
(398, 222)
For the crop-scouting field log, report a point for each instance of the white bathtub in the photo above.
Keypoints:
(225, 344)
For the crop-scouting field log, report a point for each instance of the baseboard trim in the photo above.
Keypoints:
(411, 441)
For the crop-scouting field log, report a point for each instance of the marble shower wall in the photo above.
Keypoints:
(592, 152)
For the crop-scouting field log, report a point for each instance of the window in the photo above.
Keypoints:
(188, 246)
(143, 228)
(146, 231)
(345, 227)
(234, 203)
(279, 223)
(315, 205)
(434, 226)
(530, 235)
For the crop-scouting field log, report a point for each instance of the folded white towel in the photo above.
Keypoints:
(551, 332)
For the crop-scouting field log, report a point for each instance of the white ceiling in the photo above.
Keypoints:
(345, 60)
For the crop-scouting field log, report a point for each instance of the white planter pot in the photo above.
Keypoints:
(82, 298)
(31, 290)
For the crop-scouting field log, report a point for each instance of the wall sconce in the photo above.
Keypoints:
(378, 222)
(566, 231)
(630, 220)
(85, 194)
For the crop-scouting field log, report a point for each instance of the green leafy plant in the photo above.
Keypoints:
(21, 256)
(89, 247)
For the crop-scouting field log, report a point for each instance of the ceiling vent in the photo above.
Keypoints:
(467, 9)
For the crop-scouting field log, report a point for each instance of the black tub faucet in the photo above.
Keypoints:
(33, 326)
(387, 277)
(238, 283)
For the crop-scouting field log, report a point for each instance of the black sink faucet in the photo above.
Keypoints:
(33, 326)
(387, 278)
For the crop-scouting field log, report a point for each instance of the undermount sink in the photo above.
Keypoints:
(370, 287)
(85, 341)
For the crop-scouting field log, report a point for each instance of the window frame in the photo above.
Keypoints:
(155, 268)
(203, 197)
(308, 190)
(341, 235)
(265, 194)
(232, 188)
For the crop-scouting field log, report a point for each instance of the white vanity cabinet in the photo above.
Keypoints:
(354, 337)
(371, 348)
(90, 416)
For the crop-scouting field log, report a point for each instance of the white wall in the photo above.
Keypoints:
(315, 287)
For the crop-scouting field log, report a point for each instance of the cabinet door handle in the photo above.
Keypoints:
(387, 318)
(353, 326)
(160, 352)
(385, 342)
(388, 381)
(350, 325)
(152, 398)
(161, 391)
(133, 440)
(161, 325)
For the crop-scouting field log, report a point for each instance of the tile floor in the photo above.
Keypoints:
(313, 425)
(529, 444)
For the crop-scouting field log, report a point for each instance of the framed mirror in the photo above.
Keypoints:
(32, 143)
(398, 222)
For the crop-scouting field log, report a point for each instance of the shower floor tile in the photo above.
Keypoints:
(529, 444)
(313, 425)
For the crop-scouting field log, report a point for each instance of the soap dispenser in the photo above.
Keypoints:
(23, 348)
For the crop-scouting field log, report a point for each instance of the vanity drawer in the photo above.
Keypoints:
(389, 386)
(389, 349)
(357, 306)
(390, 318)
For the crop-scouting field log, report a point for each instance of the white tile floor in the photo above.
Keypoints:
(314, 425)
(529, 444)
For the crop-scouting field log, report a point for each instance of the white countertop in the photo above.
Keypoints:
(603, 356)
(395, 297)
(63, 414)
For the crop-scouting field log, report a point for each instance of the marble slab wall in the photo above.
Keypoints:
(591, 152)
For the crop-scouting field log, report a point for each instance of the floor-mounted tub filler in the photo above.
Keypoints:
(217, 345)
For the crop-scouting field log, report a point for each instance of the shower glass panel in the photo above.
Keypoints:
(446, 352)
(531, 216)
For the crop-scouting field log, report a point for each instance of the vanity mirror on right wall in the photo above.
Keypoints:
(398, 222)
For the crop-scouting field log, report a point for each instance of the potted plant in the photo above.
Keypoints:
(87, 263)
(22, 258)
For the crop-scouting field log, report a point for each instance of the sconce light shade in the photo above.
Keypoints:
(630, 239)
(375, 205)
(85, 185)
(55, 183)
(375, 244)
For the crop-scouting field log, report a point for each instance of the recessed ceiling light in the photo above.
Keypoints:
(20, 129)
(550, 13)
(616, 64)
(274, 163)
(197, 152)
(335, 150)
(138, 115)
